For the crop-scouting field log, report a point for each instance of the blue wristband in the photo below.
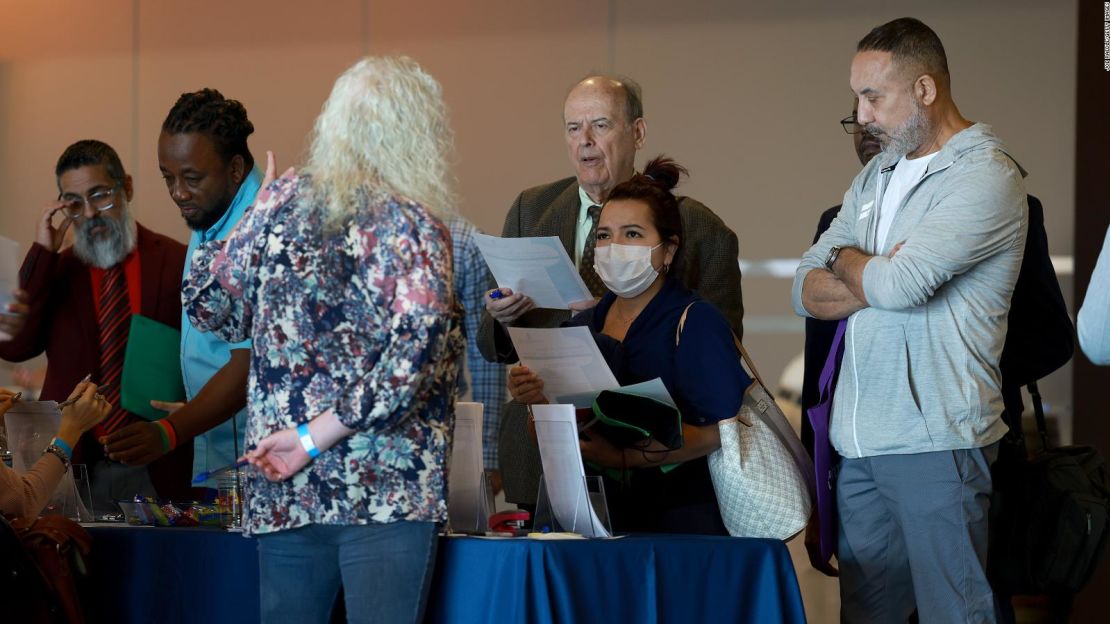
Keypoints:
(306, 441)
(60, 443)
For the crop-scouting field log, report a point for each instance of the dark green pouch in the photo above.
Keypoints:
(628, 420)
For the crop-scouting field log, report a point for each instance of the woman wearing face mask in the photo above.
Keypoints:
(639, 235)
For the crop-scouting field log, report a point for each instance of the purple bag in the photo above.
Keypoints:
(824, 457)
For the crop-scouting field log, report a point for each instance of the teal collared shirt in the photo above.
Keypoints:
(202, 353)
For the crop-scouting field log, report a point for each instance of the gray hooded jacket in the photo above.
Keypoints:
(920, 370)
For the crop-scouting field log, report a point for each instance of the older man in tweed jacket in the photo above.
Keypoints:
(604, 128)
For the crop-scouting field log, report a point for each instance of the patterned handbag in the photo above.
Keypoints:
(762, 475)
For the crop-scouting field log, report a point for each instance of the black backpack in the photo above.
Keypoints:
(1048, 517)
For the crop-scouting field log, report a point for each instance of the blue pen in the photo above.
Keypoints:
(204, 476)
(496, 294)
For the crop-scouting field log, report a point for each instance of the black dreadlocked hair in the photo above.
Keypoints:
(207, 111)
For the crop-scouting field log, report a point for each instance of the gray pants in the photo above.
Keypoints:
(110, 481)
(913, 533)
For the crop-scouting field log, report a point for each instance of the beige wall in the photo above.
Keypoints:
(746, 93)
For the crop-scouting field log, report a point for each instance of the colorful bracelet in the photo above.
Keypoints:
(306, 441)
(169, 435)
(66, 448)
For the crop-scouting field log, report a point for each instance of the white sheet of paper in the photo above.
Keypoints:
(563, 472)
(567, 360)
(535, 266)
(464, 479)
(651, 389)
(9, 273)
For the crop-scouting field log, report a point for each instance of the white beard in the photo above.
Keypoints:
(109, 248)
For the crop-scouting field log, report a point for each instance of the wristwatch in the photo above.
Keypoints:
(830, 260)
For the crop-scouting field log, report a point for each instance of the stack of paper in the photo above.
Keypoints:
(467, 507)
(563, 473)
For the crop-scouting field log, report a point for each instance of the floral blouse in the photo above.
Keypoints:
(359, 318)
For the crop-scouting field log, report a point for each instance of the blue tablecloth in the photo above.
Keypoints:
(640, 579)
(190, 575)
(143, 575)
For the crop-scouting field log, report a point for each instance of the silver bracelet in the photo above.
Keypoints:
(57, 451)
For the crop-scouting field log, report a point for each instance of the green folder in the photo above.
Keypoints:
(151, 367)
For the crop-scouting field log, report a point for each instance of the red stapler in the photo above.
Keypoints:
(511, 522)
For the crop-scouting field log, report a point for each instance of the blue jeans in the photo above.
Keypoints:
(385, 570)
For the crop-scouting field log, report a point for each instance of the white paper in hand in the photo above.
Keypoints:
(567, 360)
(652, 389)
(535, 266)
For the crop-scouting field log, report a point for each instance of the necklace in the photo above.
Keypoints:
(621, 318)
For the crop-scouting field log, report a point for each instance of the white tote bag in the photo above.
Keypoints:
(762, 475)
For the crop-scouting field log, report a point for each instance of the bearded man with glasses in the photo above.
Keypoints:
(76, 302)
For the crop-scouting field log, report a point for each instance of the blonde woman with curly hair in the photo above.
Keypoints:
(341, 274)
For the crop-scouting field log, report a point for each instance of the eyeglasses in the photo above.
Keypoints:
(851, 125)
(99, 201)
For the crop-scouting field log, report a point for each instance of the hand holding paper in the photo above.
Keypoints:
(506, 306)
(536, 267)
(567, 360)
(525, 386)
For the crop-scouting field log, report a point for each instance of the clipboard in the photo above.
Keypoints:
(151, 367)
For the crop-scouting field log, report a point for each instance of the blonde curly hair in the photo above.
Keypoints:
(384, 128)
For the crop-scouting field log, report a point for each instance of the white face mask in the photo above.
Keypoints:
(625, 269)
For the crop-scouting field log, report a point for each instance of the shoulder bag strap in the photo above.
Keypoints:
(739, 346)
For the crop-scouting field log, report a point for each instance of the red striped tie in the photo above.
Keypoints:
(114, 319)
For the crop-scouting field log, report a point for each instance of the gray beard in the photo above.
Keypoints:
(908, 137)
(111, 247)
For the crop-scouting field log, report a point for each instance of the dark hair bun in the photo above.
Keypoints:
(664, 172)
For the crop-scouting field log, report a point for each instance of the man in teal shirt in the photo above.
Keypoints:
(211, 177)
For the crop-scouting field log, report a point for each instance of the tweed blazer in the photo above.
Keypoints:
(707, 263)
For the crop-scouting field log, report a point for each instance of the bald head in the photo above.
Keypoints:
(604, 127)
(626, 90)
